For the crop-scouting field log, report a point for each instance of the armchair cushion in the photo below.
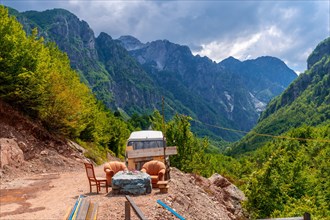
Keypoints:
(112, 168)
(156, 170)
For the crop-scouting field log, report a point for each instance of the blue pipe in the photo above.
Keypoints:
(170, 209)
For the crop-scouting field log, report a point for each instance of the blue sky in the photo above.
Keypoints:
(289, 30)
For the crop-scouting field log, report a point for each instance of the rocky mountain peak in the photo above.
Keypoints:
(104, 36)
(271, 71)
(230, 61)
(322, 49)
(162, 54)
(130, 42)
(70, 34)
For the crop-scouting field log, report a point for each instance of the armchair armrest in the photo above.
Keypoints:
(161, 174)
(110, 172)
(106, 167)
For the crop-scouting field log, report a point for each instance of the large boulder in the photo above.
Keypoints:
(231, 196)
(135, 183)
(11, 154)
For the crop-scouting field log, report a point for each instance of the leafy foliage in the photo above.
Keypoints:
(289, 176)
(294, 179)
(38, 79)
(191, 155)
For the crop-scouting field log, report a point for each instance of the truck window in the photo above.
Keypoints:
(137, 145)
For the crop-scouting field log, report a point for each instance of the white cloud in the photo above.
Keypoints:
(269, 41)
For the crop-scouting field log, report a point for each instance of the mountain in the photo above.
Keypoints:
(132, 87)
(104, 65)
(235, 92)
(77, 39)
(305, 102)
(130, 43)
(130, 76)
(266, 76)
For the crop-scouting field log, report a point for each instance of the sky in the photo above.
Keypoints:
(288, 30)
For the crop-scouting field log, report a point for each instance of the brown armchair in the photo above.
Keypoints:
(156, 170)
(112, 168)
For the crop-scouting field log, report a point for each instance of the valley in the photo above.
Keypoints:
(132, 77)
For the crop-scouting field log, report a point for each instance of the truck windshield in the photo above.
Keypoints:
(137, 145)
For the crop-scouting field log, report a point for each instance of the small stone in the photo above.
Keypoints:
(44, 153)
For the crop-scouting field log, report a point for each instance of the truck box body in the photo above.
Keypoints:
(144, 146)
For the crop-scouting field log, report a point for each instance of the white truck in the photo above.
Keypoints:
(147, 145)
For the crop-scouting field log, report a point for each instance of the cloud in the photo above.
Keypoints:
(271, 40)
(289, 30)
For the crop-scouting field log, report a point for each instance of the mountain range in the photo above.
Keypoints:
(132, 77)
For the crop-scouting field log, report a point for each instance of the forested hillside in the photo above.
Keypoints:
(288, 174)
(305, 102)
(37, 78)
(283, 163)
(115, 78)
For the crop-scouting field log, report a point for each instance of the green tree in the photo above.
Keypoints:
(38, 79)
(191, 155)
(293, 180)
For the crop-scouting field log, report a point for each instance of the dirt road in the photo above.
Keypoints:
(49, 195)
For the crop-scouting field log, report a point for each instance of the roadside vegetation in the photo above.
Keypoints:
(37, 78)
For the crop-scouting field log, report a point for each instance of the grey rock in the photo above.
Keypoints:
(131, 183)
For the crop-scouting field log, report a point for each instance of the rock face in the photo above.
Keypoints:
(232, 196)
(130, 43)
(74, 37)
(131, 183)
(131, 88)
(10, 153)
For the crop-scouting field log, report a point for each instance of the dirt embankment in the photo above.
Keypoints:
(42, 175)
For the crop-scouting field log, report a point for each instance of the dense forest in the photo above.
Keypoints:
(281, 176)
